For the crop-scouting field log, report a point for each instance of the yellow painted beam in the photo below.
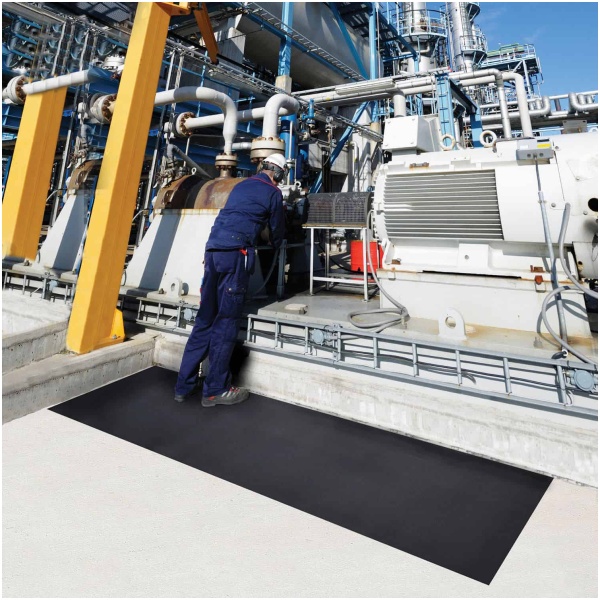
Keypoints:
(207, 33)
(30, 171)
(93, 314)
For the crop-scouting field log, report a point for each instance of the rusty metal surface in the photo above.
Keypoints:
(80, 174)
(179, 194)
(214, 194)
(192, 192)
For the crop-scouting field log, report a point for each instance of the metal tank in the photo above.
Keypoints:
(468, 45)
(424, 29)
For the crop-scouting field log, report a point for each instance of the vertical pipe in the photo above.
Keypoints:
(285, 49)
(399, 104)
(503, 108)
(553, 275)
(373, 41)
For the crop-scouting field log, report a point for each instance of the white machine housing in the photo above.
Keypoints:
(457, 223)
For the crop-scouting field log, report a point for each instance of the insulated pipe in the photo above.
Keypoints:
(482, 76)
(399, 104)
(272, 112)
(71, 79)
(202, 94)
(515, 115)
(243, 116)
(373, 41)
(506, 129)
(522, 100)
(578, 106)
(242, 146)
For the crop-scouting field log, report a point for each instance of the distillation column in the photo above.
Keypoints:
(468, 45)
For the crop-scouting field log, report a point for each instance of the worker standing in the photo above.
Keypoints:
(228, 263)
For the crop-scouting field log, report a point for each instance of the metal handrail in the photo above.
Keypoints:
(456, 362)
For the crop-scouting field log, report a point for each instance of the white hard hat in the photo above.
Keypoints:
(276, 159)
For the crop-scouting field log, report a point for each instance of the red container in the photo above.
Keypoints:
(356, 256)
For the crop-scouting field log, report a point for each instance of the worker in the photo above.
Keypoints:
(228, 263)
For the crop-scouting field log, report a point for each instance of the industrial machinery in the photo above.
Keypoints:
(488, 224)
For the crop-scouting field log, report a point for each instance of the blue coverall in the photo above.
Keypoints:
(228, 263)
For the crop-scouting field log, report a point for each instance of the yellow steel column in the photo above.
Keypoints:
(30, 172)
(94, 320)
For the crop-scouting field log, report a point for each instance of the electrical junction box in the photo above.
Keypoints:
(407, 135)
(530, 149)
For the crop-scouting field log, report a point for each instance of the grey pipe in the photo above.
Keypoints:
(243, 116)
(172, 148)
(272, 112)
(563, 343)
(515, 116)
(242, 146)
(71, 79)
(578, 106)
(495, 76)
(506, 129)
(399, 104)
(547, 235)
(202, 94)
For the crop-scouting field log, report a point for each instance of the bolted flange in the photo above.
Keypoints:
(14, 90)
(226, 163)
(180, 127)
(265, 146)
(101, 107)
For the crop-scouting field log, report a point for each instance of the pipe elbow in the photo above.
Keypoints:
(202, 94)
(272, 108)
(576, 106)
(227, 105)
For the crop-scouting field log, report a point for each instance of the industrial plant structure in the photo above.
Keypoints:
(463, 199)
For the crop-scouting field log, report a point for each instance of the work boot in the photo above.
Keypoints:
(197, 388)
(233, 395)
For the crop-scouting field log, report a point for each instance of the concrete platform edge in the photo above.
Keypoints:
(65, 376)
(21, 349)
(563, 447)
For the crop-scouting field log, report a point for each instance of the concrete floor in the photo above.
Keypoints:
(86, 514)
(21, 312)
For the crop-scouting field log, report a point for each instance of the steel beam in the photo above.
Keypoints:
(94, 320)
(348, 40)
(29, 177)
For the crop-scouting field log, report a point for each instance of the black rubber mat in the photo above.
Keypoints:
(458, 511)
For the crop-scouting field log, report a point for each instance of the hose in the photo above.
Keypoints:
(561, 254)
(400, 312)
(271, 269)
(555, 335)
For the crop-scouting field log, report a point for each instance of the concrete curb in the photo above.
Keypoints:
(552, 444)
(555, 445)
(21, 349)
(65, 376)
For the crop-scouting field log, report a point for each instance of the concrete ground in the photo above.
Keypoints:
(21, 312)
(86, 514)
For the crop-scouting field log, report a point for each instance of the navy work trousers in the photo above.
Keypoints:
(217, 322)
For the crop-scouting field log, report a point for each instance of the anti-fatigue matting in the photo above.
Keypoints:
(458, 511)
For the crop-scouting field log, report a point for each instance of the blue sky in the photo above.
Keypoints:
(565, 36)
